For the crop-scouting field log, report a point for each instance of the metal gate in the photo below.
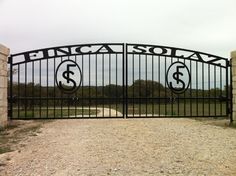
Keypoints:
(118, 80)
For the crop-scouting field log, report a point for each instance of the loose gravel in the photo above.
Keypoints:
(125, 147)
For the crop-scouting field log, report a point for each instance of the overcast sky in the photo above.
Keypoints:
(203, 25)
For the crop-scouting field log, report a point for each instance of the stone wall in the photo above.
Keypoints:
(4, 52)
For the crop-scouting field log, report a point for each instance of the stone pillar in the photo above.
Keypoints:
(4, 52)
(233, 61)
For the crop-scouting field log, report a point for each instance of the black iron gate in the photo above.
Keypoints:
(118, 80)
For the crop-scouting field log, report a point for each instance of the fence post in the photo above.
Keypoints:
(4, 52)
(233, 57)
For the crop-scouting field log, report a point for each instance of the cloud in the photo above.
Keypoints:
(197, 24)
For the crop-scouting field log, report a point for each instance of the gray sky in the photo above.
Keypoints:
(203, 25)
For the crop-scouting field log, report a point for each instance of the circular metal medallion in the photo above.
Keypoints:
(178, 77)
(68, 76)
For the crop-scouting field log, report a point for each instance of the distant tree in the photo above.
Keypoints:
(143, 88)
(113, 91)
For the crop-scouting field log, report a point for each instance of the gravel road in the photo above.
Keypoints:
(125, 147)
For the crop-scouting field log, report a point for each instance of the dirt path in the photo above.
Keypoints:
(125, 147)
(102, 112)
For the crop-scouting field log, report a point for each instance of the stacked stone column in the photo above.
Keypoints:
(233, 57)
(4, 52)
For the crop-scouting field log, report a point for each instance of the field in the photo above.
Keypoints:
(187, 109)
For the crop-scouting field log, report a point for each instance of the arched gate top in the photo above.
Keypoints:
(117, 48)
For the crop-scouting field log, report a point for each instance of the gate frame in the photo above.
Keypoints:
(125, 77)
(228, 68)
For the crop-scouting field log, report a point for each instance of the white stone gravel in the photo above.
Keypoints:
(126, 147)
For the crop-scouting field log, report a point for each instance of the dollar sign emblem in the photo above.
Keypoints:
(66, 76)
(178, 80)
(178, 77)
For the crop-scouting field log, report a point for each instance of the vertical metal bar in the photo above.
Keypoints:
(227, 90)
(61, 99)
(33, 88)
(68, 100)
(54, 88)
(11, 89)
(165, 90)
(103, 85)
(146, 84)
(152, 86)
(110, 86)
(26, 100)
(203, 91)
(68, 106)
(139, 85)
(231, 91)
(76, 95)
(172, 97)
(116, 87)
(123, 81)
(133, 83)
(47, 88)
(123, 75)
(178, 96)
(19, 95)
(40, 89)
(209, 90)
(197, 86)
(89, 85)
(96, 82)
(159, 80)
(83, 86)
(215, 86)
(191, 87)
(126, 77)
(184, 98)
(221, 90)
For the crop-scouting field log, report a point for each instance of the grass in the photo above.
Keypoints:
(8, 127)
(5, 149)
(15, 132)
(186, 109)
(50, 112)
(4, 140)
(182, 109)
(232, 125)
(33, 129)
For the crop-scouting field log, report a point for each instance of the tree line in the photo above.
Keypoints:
(141, 90)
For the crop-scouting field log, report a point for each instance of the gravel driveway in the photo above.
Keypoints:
(126, 147)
